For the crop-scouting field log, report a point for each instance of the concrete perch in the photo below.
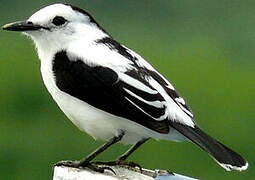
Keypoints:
(122, 173)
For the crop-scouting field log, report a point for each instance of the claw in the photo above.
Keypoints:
(74, 164)
(120, 163)
(110, 169)
(135, 165)
(96, 168)
(77, 164)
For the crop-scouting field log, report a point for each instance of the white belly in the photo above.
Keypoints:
(98, 123)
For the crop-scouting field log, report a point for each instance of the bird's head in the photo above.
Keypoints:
(58, 25)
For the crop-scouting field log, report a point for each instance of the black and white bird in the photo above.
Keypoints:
(109, 91)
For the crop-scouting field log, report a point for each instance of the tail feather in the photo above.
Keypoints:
(223, 155)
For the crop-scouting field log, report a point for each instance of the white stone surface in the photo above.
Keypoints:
(122, 173)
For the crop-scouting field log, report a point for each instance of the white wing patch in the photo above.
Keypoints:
(175, 113)
(157, 104)
(137, 84)
(180, 100)
(163, 117)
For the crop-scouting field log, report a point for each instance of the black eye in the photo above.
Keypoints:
(58, 21)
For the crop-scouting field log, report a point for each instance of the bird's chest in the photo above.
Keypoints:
(84, 116)
(66, 103)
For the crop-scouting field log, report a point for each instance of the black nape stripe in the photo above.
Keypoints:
(92, 20)
(112, 44)
(100, 87)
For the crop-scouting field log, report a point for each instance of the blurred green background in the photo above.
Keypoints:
(206, 48)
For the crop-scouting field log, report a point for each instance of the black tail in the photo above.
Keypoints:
(226, 157)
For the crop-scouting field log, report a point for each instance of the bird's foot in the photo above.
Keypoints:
(82, 165)
(74, 164)
(120, 163)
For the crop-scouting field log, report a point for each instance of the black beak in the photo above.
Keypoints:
(22, 26)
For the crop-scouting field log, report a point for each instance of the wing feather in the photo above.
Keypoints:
(138, 93)
(102, 88)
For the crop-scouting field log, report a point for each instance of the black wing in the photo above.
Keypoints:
(101, 87)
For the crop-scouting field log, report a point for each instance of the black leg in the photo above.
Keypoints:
(121, 160)
(91, 156)
(132, 149)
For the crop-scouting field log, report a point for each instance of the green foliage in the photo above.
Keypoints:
(206, 49)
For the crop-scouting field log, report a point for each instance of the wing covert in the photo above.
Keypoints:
(128, 97)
